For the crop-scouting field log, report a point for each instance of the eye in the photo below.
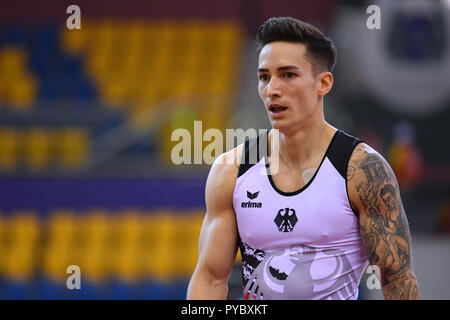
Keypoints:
(289, 75)
(263, 77)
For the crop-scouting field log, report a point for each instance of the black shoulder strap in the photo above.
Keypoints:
(254, 150)
(339, 154)
(340, 151)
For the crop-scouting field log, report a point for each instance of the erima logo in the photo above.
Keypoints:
(250, 204)
(252, 195)
(286, 220)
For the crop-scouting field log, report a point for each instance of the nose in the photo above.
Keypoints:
(273, 88)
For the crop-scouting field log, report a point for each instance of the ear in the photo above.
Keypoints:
(325, 82)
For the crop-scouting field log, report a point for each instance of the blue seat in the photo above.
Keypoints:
(50, 88)
(84, 89)
(71, 65)
(16, 290)
(177, 289)
(121, 290)
(152, 289)
(89, 291)
(48, 289)
(47, 35)
(75, 83)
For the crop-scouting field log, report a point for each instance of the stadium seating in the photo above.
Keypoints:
(137, 68)
(40, 148)
(61, 91)
(126, 254)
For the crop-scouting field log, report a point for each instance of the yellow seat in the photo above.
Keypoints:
(149, 227)
(180, 241)
(9, 148)
(24, 229)
(103, 33)
(19, 252)
(62, 227)
(92, 261)
(4, 84)
(22, 93)
(114, 93)
(164, 30)
(147, 91)
(98, 62)
(12, 60)
(74, 41)
(127, 264)
(73, 147)
(158, 259)
(190, 256)
(125, 258)
(161, 263)
(185, 239)
(56, 257)
(36, 143)
(96, 244)
(19, 87)
(129, 40)
(129, 227)
(130, 63)
(90, 30)
(19, 262)
(194, 31)
(95, 227)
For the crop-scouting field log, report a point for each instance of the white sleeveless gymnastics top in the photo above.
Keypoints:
(304, 244)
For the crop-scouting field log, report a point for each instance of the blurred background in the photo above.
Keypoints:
(86, 118)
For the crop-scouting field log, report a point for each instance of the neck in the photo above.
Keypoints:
(309, 141)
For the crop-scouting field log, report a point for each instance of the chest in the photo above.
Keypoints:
(316, 214)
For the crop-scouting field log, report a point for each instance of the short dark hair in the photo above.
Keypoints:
(319, 49)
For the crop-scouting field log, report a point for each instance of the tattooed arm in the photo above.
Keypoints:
(374, 194)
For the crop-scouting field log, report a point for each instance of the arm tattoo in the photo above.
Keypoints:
(350, 172)
(383, 226)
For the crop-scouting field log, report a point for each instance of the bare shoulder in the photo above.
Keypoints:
(231, 157)
(366, 163)
(364, 154)
(227, 164)
(368, 175)
(222, 178)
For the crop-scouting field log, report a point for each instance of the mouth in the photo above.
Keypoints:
(276, 109)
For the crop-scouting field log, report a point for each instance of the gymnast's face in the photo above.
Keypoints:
(287, 85)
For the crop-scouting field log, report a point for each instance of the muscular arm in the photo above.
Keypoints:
(218, 236)
(374, 193)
